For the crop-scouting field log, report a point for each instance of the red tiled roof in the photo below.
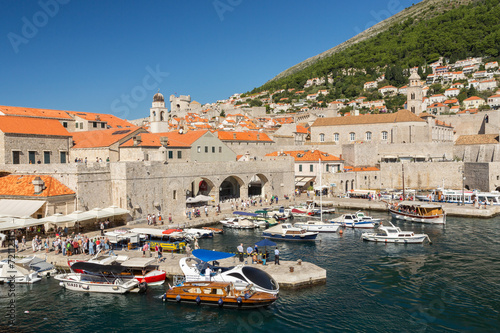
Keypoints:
(34, 126)
(182, 140)
(400, 116)
(147, 140)
(302, 129)
(111, 120)
(32, 112)
(101, 138)
(21, 185)
(358, 169)
(306, 155)
(243, 136)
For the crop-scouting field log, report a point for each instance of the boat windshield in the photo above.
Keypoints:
(259, 278)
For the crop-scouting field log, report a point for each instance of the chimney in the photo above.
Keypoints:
(137, 140)
(164, 141)
(38, 184)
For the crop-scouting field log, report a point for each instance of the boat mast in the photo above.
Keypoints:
(320, 193)
(403, 173)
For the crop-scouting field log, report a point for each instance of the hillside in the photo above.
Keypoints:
(417, 35)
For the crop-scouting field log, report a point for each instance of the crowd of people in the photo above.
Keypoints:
(253, 252)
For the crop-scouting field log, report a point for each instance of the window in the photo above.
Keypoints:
(213, 149)
(63, 156)
(81, 125)
(336, 137)
(311, 168)
(322, 137)
(16, 157)
(368, 136)
(103, 125)
(384, 135)
(327, 167)
(300, 167)
(199, 149)
(206, 149)
(220, 149)
(65, 124)
(352, 136)
(31, 157)
(174, 195)
(179, 154)
(46, 157)
(170, 154)
(94, 124)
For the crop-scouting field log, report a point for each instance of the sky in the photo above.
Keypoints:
(112, 56)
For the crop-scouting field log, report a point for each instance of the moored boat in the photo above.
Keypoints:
(12, 272)
(222, 294)
(317, 226)
(352, 221)
(238, 223)
(414, 211)
(392, 234)
(286, 231)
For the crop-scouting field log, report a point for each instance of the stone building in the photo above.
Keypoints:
(250, 142)
(28, 140)
(414, 94)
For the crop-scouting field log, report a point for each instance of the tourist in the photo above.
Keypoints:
(144, 249)
(240, 251)
(196, 246)
(91, 248)
(16, 244)
(208, 273)
(188, 249)
(276, 256)
(256, 249)
(254, 258)
(102, 228)
(160, 219)
(153, 218)
(249, 250)
(160, 252)
(63, 247)
(170, 218)
(206, 210)
(23, 243)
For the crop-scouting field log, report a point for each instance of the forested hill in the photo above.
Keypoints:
(457, 32)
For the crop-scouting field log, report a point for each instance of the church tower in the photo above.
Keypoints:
(158, 114)
(414, 94)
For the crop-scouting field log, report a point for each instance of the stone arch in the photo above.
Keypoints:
(231, 187)
(162, 116)
(258, 185)
(352, 184)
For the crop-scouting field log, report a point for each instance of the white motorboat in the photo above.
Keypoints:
(104, 279)
(238, 223)
(352, 221)
(362, 217)
(415, 211)
(12, 272)
(195, 269)
(286, 231)
(392, 234)
(317, 226)
(199, 233)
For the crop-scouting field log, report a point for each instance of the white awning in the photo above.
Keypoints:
(18, 208)
(301, 181)
(117, 210)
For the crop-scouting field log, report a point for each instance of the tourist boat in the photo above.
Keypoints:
(459, 196)
(238, 223)
(14, 272)
(317, 226)
(215, 230)
(142, 269)
(104, 279)
(172, 242)
(414, 211)
(362, 217)
(222, 294)
(394, 234)
(286, 231)
(352, 221)
(280, 214)
(241, 276)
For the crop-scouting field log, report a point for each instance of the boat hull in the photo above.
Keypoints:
(227, 302)
(381, 239)
(327, 227)
(72, 282)
(433, 219)
(298, 237)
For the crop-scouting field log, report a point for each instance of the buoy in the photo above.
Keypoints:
(247, 295)
(239, 300)
(198, 300)
(26, 312)
(178, 298)
(220, 302)
(341, 232)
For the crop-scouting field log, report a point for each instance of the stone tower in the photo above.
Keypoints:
(414, 94)
(158, 115)
(179, 106)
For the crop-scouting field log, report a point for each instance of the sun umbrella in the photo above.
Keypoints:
(115, 210)
(27, 221)
(265, 243)
(78, 216)
(100, 213)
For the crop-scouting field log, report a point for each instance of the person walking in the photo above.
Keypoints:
(276, 256)
(170, 218)
(240, 251)
(102, 228)
(23, 243)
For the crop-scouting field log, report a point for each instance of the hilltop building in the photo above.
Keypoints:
(414, 94)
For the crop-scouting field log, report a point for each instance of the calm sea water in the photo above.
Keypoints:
(452, 285)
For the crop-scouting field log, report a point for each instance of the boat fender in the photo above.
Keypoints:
(198, 300)
(178, 298)
(164, 297)
(239, 300)
(143, 286)
(247, 295)
(220, 302)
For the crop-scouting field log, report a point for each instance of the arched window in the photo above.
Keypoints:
(352, 136)
(384, 135)
(368, 136)
(162, 116)
(336, 137)
(412, 95)
(413, 109)
(322, 137)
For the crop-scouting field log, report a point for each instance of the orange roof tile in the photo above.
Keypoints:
(358, 169)
(147, 140)
(102, 138)
(400, 116)
(182, 140)
(32, 112)
(306, 155)
(302, 129)
(243, 136)
(473, 98)
(111, 120)
(34, 126)
(21, 185)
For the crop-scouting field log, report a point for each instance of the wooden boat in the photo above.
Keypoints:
(415, 211)
(214, 230)
(104, 279)
(392, 234)
(222, 294)
(286, 231)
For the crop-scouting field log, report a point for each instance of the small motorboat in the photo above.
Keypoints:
(222, 294)
(392, 234)
(195, 269)
(104, 279)
(13, 272)
(286, 231)
(215, 230)
(199, 233)
(362, 217)
(317, 226)
(352, 221)
(238, 223)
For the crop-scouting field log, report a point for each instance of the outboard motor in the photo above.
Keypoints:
(143, 286)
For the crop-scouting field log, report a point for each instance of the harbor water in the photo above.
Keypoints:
(451, 285)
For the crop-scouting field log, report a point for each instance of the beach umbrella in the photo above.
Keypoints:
(100, 213)
(27, 221)
(265, 243)
(58, 219)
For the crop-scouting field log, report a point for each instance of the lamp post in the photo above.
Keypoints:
(463, 187)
